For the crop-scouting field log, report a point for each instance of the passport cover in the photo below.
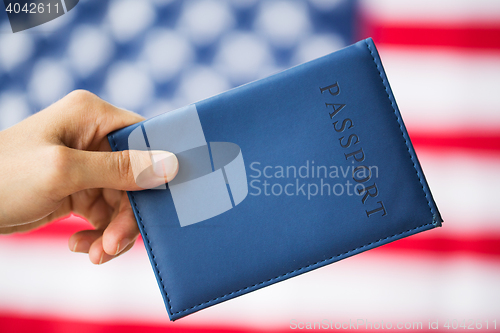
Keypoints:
(278, 177)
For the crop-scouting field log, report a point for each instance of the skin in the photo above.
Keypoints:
(59, 162)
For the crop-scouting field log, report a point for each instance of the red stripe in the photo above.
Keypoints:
(441, 245)
(472, 142)
(465, 35)
(19, 324)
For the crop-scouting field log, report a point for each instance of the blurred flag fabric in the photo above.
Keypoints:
(151, 56)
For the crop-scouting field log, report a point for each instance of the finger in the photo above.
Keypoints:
(96, 253)
(103, 257)
(116, 118)
(82, 240)
(113, 198)
(84, 120)
(91, 205)
(129, 170)
(125, 250)
(112, 118)
(122, 230)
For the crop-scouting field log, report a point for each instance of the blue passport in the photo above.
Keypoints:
(278, 177)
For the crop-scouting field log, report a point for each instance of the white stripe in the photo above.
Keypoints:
(438, 90)
(465, 188)
(45, 279)
(432, 11)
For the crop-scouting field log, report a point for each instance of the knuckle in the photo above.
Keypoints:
(124, 165)
(81, 96)
(82, 101)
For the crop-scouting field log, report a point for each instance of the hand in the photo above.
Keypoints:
(59, 161)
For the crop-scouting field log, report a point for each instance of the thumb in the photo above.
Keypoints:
(128, 170)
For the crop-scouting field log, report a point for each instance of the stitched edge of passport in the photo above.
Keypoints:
(153, 257)
(316, 263)
(398, 118)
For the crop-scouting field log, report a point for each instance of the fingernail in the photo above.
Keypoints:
(153, 168)
(122, 245)
(105, 258)
(81, 246)
(165, 164)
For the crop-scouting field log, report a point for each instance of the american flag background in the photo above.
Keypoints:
(442, 58)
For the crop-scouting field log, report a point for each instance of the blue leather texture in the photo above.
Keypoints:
(301, 117)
